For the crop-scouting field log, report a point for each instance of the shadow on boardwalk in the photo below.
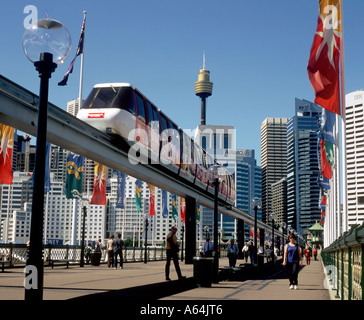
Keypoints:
(166, 289)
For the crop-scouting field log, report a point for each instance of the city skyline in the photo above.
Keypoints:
(255, 75)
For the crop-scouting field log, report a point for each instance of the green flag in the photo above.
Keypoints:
(198, 211)
(74, 176)
(174, 207)
(138, 194)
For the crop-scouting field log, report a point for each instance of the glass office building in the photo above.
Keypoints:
(303, 192)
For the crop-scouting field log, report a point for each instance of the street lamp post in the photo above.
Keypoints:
(207, 229)
(283, 226)
(82, 262)
(46, 43)
(256, 205)
(182, 236)
(146, 239)
(214, 174)
(272, 217)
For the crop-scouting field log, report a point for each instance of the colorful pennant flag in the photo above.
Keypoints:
(120, 191)
(138, 194)
(327, 158)
(78, 52)
(75, 166)
(174, 207)
(182, 204)
(323, 63)
(47, 178)
(165, 204)
(198, 214)
(151, 199)
(6, 154)
(251, 232)
(99, 192)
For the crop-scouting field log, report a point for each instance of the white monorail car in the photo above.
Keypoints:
(119, 109)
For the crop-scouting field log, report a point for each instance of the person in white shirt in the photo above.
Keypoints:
(245, 252)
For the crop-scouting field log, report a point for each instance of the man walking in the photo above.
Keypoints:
(172, 254)
(118, 251)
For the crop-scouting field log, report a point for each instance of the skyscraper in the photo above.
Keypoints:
(354, 173)
(274, 158)
(303, 192)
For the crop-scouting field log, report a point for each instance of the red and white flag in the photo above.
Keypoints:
(99, 193)
(151, 199)
(6, 154)
(323, 64)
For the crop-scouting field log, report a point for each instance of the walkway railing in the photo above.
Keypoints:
(16, 254)
(343, 261)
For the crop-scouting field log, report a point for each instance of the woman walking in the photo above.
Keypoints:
(292, 259)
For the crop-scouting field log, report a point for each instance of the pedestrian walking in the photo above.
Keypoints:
(275, 253)
(208, 248)
(233, 251)
(292, 259)
(172, 254)
(118, 252)
(315, 253)
(88, 250)
(245, 252)
(267, 253)
(110, 251)
(200, 249)
(307, 255)
(251, 251)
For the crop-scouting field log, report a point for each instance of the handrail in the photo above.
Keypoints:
(343, 261)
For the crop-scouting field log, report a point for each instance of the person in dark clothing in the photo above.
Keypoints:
(118, 251)
(172, 254)
(292, 259)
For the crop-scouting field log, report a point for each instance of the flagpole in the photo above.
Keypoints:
(343, 128)
(81, 68)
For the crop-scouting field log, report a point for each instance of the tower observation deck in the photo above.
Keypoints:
(203, 89)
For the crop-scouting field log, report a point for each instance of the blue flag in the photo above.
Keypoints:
(47, 178)
(165, 204)
(327, 126)
(120, 190)
(78, 52)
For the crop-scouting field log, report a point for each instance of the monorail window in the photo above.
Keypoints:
(155, 119)
(100, 98)
(140, 107)
(125, 100)
(164, 124)
(149, 112)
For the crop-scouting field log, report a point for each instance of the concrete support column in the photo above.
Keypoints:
(240, 237)
(190, 230)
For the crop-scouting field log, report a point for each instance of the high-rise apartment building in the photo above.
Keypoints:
(248, 182)
(273, 158)
(303, 191)
(354, 133)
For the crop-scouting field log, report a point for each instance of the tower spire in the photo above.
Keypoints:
(203, 88)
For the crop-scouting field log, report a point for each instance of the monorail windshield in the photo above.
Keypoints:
(110, 97)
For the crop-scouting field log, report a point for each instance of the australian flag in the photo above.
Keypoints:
(78, 52)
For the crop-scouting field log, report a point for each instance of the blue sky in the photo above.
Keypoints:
(256, 51)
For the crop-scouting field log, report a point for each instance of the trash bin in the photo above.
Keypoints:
(202, 271)
(260, 261)
(95, 258)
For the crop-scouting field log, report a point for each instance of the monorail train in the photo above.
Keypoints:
(119, 109)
